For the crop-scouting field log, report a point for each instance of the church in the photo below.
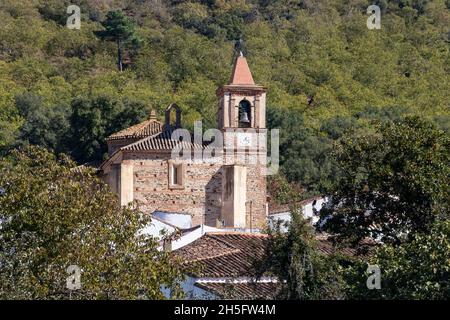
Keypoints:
(228, 193)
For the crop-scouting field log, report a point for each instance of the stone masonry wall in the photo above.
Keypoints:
(256, 194)
(202, 193)
(200, 197)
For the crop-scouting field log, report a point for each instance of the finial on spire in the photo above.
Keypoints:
(241, 72)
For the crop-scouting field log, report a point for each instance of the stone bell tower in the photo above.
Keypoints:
(242, 120)
(242, 103)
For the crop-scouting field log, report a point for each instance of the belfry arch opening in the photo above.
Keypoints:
(245, 114)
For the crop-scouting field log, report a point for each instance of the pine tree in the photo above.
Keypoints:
(120, 29)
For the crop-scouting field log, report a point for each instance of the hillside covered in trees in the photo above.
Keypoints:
(325, 71)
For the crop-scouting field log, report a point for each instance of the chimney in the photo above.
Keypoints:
(152, 114)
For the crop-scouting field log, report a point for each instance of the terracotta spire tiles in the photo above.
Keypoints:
(241, 72)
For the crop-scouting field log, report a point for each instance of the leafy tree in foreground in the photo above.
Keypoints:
(305, 272)
(53, 216)
(394, 183)
(419, 269)
(121, 30)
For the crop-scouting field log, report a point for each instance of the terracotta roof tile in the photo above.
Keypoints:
(249, 290)
(241, 72)
(144, 129)
(160, 141)
(224, 254)
(231, 254)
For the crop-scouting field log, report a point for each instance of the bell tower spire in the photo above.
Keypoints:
(242, 120)
(242, 103)
(241, 74)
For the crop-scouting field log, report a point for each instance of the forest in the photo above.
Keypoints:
(364, 118)
(326, 73)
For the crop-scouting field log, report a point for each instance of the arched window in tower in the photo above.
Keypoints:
(245, 117)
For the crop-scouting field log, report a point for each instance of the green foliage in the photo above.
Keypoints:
(79, 129)
(117, 27)
(53, 216)
(393, 184)
(120, 29)
(54, 10)
(47, 127)
(92, 120)
(303, 154)
(293, 257)
(282, 191)
(419, 269)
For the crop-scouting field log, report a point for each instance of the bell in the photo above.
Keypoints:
(244, 118)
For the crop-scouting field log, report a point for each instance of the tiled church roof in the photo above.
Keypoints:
(141, 130)
(160, 141)
(224, 254)
(243, 291)
(224, 263)
(232, 254)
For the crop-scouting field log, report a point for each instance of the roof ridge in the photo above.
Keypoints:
(135, 130)
(160, 140)
(251, 234)
(222, 241)
(140, 140)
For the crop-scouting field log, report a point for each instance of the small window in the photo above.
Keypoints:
(176, 175)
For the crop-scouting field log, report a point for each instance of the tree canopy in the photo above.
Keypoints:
(54, 215)
(392, 193)
(393, 182)
(415, 270)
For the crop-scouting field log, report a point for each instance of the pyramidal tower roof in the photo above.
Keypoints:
(241, 72)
